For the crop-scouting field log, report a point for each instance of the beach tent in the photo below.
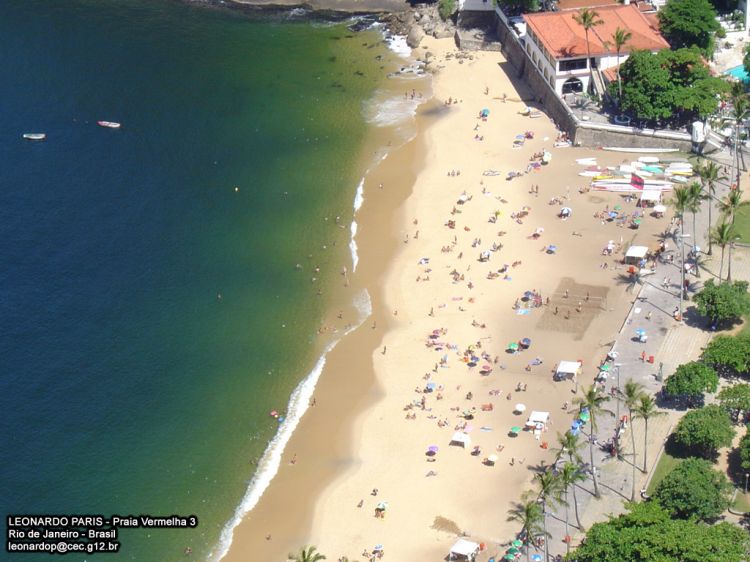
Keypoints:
(537, 418)
(635, 254)
(463, 550)
(460, 438)
(650, 195)
(567, 370)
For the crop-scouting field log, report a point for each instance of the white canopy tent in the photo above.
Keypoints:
(538, 417)
(567, 369)
(463, 549)
(461, 438)
(651, 195)
(635, 254)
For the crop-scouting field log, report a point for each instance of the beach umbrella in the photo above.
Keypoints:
(618, 207)
(378, 547)
(382, 506)
(509, 557)
(513, 346)
(519, 408)
(640, 332)
(526, 342)
(512, 551)
(492, 458)
(605, 367)
(536, 558)
(566, 211)
(637, 222)
(431, 386)
(517, 543)
(584, 416)
(660, 209)
(432, 449)
(613, 214)
(515, 429)
(551, 249)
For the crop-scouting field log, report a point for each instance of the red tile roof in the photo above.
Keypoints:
(564, 38)
(576, 4)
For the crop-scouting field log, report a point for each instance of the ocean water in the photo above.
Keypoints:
(152, 309)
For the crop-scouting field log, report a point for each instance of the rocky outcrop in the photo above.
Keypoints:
(422, 20)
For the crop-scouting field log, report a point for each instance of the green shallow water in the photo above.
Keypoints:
(152, 314)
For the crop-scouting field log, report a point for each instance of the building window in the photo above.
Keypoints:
(575, 64)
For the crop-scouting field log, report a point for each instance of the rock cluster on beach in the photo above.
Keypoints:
(415, 23)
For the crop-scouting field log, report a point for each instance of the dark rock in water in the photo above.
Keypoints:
(361, 24)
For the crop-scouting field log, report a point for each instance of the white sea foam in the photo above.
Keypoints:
(359, 198)
(387, 109)
(397, 44)
(271, 459)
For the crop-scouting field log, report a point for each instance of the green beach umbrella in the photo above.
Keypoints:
(517, 543)
(515, 429)
(513, 550)
(618, 207)
(509, 557)
(585, 416)
(605, 367)
(513, 346)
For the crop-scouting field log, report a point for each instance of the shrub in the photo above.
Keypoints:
(694, 490)
(446, 8)
(705, 430)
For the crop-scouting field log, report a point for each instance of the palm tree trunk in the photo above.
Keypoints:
(632, 439)
(544, 523)
(567, 517)
(575, 508)
(593, 466)
(721, 266)
(710, 204)
(645, 445)
(619, 81)
(729, 264)
(588, 61)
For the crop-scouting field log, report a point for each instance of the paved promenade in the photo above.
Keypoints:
(671, 343)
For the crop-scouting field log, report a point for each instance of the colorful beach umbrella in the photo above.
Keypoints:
(536, 557)
(517, 543)
(526, 342)
(515, 429)
(513, 346)
(584, 416)
(433, 449)
(509, 557)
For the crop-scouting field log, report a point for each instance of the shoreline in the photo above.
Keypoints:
(359, 441)
(354, 298)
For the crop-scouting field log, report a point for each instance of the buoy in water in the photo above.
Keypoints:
(274, 414)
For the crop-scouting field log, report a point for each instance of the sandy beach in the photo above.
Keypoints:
(447, 273)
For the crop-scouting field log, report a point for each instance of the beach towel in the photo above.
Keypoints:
(523, 311)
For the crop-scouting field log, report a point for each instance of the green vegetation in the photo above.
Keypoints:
(446, 8)
(670, 86)
(742, 223)
(694, 490)
(588, 19)
(518, 7)
(724, 303)
(741, 502)
(735, 399)
(705, 430)
(649, 533)
(744, 449)
(667, 463)
(690, 381)
(307, 554)
(593, 401)
(688, 23)
(729, 355)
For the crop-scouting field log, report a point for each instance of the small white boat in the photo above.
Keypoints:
(586, 161)
(35, 136)
(640, 150)
(649, 159)
(109, 124)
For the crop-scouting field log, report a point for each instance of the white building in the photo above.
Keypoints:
(557, 44)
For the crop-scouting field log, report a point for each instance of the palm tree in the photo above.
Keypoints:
(569, 444)
(723, 235)
(569, 476)
(307, 554)
(549, 494)
(740, 110)
(592, 400)
(588, 19)
(710, 173)
(695, 196)
(632, 392)
(732, 203)
(645, 410)
(619, 38)
(529, 514)
(681, 203)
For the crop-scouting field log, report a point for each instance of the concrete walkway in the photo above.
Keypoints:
(671, 343)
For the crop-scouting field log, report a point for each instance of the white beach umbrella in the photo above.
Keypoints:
(520, 408)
